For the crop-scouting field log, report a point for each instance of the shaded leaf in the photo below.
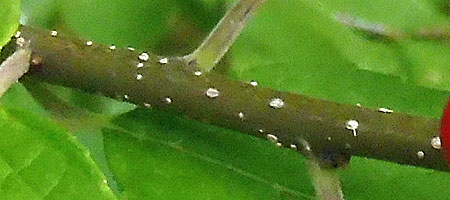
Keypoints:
(157, 154)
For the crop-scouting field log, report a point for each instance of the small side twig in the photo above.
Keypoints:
(209, 53)
(371, 28)
(14, 67)
(441, 33)
(326, 182)
(437, 33)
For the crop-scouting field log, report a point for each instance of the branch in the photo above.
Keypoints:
(224, 34)
(327, 129)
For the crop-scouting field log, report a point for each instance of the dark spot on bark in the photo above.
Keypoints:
(36, 60)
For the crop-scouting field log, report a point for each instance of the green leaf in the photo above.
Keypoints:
(373, 179)
(18, 96)
(9, 16)
(162, 155)
(40, 160)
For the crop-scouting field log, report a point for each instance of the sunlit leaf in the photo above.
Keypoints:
(39, 160)
(9, 16)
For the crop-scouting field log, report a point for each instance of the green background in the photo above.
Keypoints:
(58, 143)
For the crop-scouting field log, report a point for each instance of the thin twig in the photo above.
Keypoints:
(209, 53)
(326, 182)
(13, 68)
(441, 33)
(371, 28)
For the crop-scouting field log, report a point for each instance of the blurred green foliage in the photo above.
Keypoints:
(292, 45)
(9, 16)
(307, 51)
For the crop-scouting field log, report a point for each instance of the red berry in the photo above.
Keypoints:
(445, 132)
